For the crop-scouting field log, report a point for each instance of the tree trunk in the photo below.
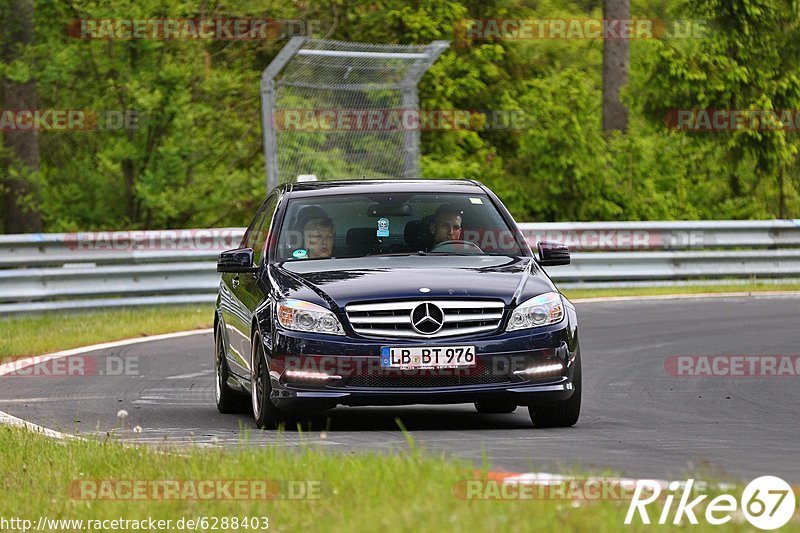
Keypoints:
(22, 213)
(782, 211)
(615, 67)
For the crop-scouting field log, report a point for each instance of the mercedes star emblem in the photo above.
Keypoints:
(427, 318)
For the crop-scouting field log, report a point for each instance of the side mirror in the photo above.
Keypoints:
(240, 260)
(553, 253)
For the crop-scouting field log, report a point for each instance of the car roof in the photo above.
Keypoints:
(327, 187)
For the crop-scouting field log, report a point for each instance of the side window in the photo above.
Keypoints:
(260, 236)
(249, 238)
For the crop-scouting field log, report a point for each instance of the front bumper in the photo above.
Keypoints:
(361, 380)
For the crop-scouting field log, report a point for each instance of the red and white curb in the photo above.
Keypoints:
(625, 483)
(542, 478)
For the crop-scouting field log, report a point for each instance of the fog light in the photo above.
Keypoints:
(555, 368)
(303, 375)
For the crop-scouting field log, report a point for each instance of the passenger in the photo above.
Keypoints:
(319, 236)
(312, 228)
(446, 225)
(306, 214)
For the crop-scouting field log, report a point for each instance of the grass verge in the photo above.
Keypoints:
(41, 333)
(688, 289)
(406, 491)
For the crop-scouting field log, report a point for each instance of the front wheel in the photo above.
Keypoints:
(562, 414)
(266, 414)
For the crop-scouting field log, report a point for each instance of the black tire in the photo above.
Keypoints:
(228, 400)
(490, 407)
(266, 414)
(562, 414)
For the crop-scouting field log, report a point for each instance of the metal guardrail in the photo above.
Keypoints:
(677, 235)
(104, 269)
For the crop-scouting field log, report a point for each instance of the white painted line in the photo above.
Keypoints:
(47, 400)
(192, 376)
(10, 420)
(18, 364)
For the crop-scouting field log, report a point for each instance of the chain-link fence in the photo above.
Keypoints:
(343, 110)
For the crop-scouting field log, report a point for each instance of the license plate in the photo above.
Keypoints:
(438, 357)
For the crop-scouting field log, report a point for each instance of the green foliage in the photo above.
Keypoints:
(196, 160)
(749, 61)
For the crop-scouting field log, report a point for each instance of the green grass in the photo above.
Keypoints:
(689, 289)
(41, 333)
(403, 491)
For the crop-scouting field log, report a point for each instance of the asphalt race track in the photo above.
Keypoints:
(637, 419)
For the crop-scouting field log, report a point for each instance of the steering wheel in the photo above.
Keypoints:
(455, 243)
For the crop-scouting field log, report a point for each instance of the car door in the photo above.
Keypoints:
(240, 294)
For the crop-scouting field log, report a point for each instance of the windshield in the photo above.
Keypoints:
(339, 226)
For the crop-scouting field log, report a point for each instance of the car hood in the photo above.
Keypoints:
(338, 282)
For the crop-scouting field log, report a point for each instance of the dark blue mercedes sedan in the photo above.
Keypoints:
(388, 293)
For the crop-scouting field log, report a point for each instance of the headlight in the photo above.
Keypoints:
(541, 310)
(305, 316)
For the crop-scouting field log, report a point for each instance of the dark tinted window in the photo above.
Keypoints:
(357, 225)
(263, 232)
(256, 234)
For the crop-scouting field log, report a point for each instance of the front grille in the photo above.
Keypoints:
(394, 319)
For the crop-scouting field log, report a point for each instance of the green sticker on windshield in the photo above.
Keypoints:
(302, 253)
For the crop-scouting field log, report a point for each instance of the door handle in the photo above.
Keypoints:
(235, 281)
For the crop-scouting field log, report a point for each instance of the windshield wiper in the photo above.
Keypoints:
(424, 253)
(448, 253)
(392, 254)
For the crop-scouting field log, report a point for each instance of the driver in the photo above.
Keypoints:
(446, 225)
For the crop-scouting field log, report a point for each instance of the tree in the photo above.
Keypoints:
(615, 68)
(748, 61)
(21, 161)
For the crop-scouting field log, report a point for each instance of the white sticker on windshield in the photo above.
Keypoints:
(383, 227)
(476, 201)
